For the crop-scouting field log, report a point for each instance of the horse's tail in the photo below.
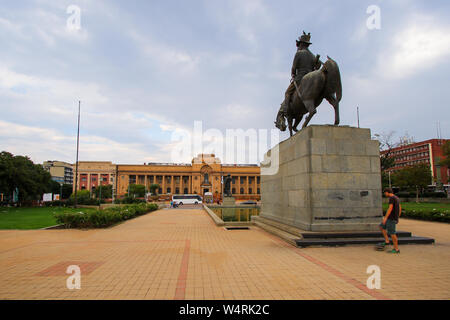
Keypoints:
(333, 84)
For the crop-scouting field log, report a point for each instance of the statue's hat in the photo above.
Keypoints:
(304, 38)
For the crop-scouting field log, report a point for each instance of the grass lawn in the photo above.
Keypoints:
(30, 218)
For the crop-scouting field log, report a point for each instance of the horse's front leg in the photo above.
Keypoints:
(289, 120)
(296, 122)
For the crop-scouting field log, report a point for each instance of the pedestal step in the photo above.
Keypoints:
(360, 241)
(303, 239)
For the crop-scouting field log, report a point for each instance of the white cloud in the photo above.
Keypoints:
(165, 58)
(421, 45)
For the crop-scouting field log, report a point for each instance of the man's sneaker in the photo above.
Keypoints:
(394, 251)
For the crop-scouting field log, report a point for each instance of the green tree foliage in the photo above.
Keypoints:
(415, 177)
(446, 153)
(136, 190)
(153, 188)
(20, 172)
(106, 191)
(53, 187)
(82, 196)
(66, 191)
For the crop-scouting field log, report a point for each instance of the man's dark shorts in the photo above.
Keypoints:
(389, 226)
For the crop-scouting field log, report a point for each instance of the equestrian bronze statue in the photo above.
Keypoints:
(310, 84)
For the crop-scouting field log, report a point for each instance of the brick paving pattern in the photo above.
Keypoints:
(181, 254)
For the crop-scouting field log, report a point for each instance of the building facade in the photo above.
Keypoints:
(428, 152)
(60, 171)
(93, 173)
(203, 175)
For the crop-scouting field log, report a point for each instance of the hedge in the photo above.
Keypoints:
(440, 215)
(406, 194)
(103, 218)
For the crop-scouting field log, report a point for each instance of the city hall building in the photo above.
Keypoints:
(203, 176)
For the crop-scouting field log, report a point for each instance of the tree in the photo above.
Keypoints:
(105, 190)
(153, 188)
(66, 191)
(136, 191)
(82, 196)
(386, 144)
(414, 177)
(32, 180)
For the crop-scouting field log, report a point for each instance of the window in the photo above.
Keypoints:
(233, 180)
(168, 190)
(258, 191)
(242, 180)
(250, 191)
(186, 191)
(233, 191)
(160, 190)
(177, 190)
(258, 179)
(242, 190)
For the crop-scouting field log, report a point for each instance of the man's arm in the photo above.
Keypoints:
(399, 209)
(294, 65)
(391, 206)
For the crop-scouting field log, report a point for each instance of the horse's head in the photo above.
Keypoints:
(280, 122)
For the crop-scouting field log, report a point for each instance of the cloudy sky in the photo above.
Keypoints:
(143, 69)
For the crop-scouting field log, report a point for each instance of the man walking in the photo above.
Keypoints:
(390, 220)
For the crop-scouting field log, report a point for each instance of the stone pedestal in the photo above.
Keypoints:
(328, 180)
(229, 201)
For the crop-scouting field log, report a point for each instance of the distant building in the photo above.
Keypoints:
(60, 171)
(428, 152)
(93, 173)
(203, 175)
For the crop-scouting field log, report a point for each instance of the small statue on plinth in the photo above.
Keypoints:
(227, 186)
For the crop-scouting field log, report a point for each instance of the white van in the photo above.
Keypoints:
(181, 199)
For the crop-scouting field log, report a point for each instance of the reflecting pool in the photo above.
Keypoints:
(235, 214)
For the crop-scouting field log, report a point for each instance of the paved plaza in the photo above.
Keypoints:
(182, 254)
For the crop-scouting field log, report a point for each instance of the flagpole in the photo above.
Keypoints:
(76, 163)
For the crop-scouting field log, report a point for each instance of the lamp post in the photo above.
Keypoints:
(60, 193)
(389, 172)
(76, 163)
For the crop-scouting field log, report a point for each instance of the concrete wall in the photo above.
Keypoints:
(328, 180)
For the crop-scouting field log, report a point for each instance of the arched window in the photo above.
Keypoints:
(205, 176)
(242, 190)
(233, 191)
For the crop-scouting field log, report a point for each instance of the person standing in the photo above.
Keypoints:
(390, 220)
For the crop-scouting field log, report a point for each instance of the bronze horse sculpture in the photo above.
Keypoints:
(315, 86)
